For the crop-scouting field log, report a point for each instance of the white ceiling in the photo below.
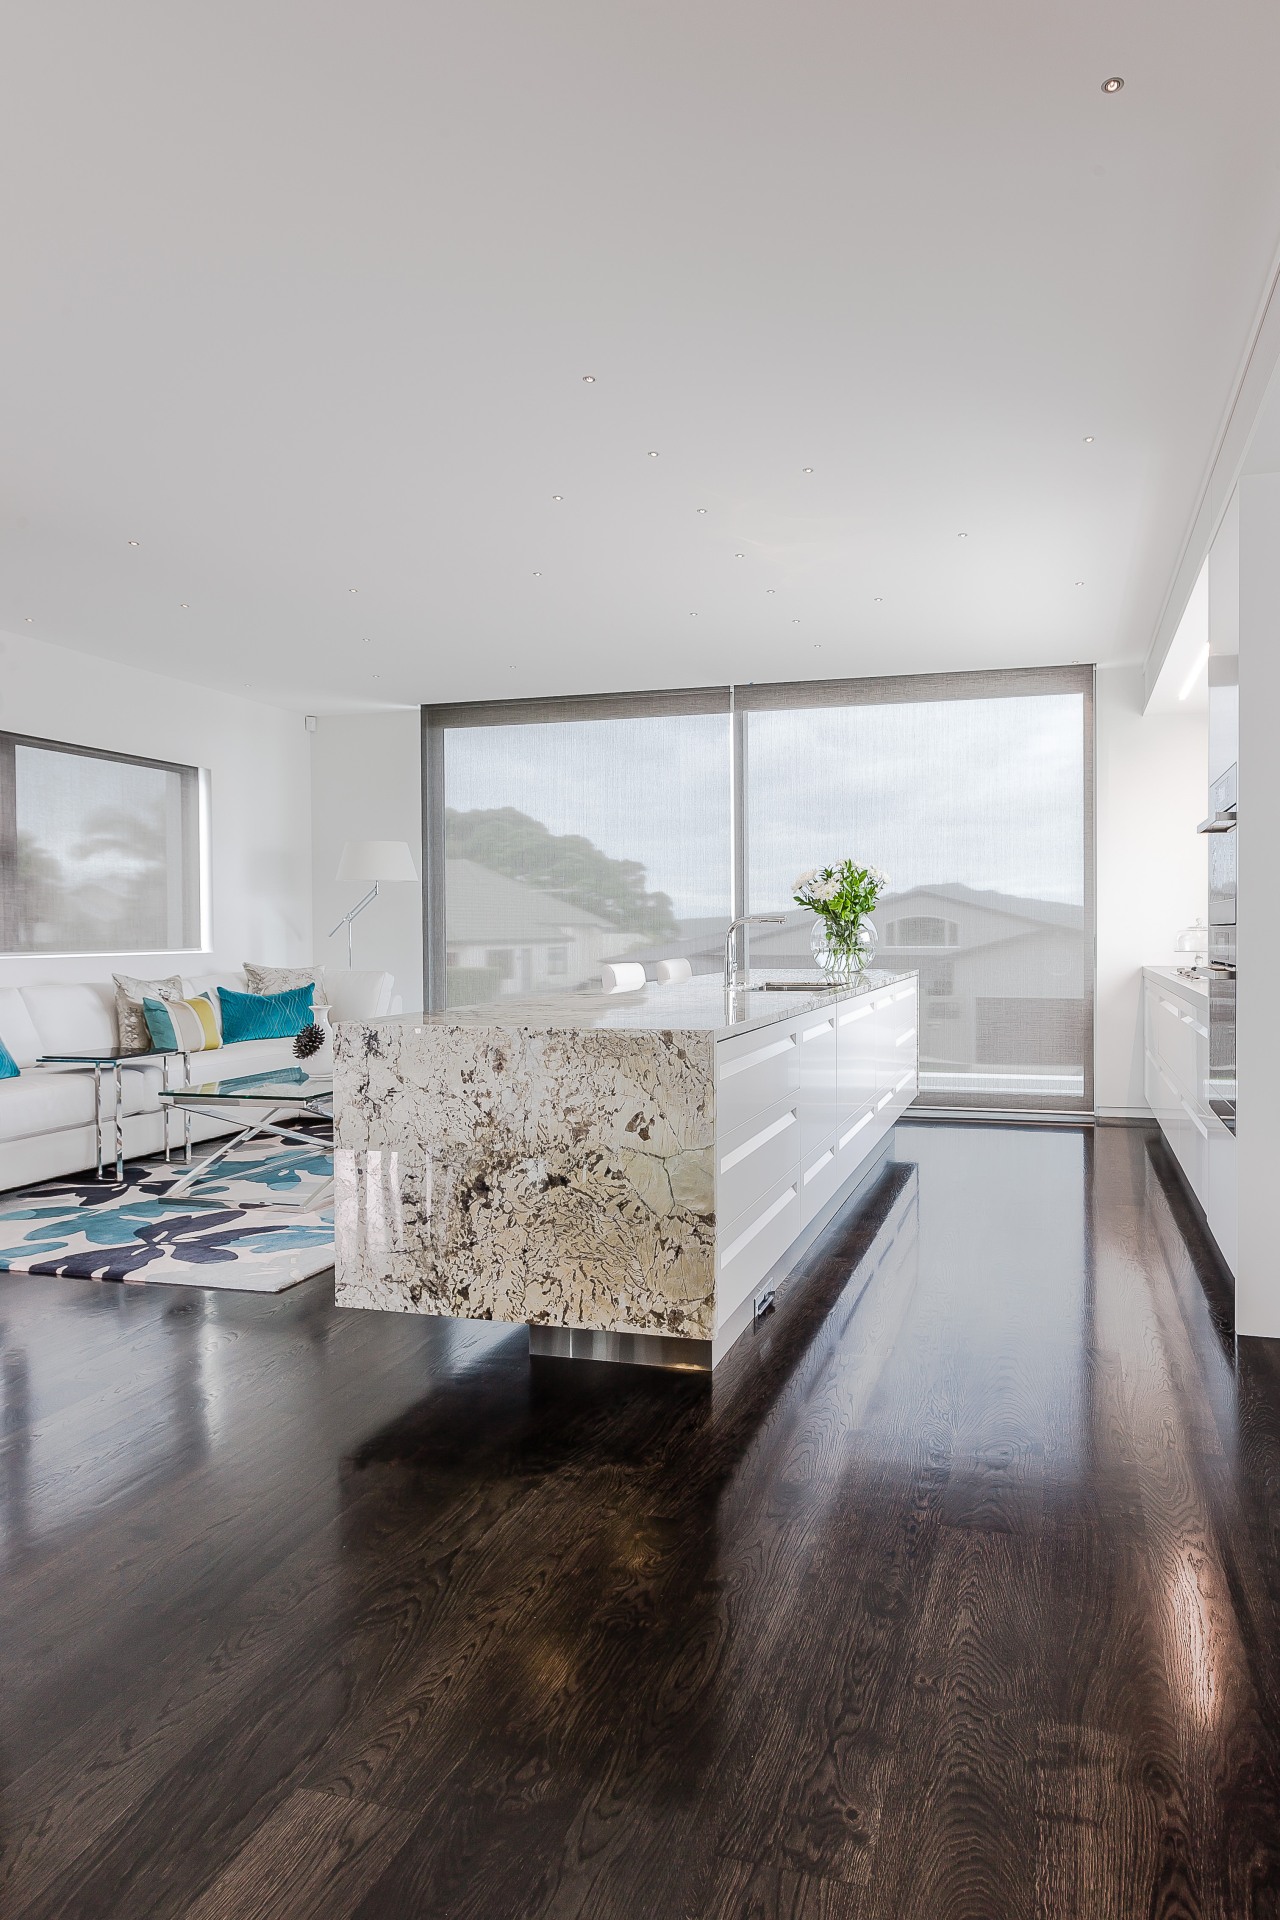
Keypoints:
(300, 297)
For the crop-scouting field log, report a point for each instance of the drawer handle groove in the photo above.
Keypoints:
(757, 1140)
(732, 1251)
(903, 1038)
(857, 1127)
(861, 1013)
(883, 1101)
(902, 1083)
(812, 1033)
(818, 1165)
(746, 1060)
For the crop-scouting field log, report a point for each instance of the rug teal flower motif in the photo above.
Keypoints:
(224, 1233)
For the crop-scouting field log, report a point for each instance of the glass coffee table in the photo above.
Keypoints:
(269, 1103)
(114, 1061)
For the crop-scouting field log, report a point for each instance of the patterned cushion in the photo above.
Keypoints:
(182, 1026)
(264, 1016)
(9, 1068)
(130, 1018)
(277, 979)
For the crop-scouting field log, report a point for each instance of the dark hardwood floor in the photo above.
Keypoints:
(956, 1594)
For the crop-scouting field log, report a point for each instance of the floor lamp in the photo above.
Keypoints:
(381, 861)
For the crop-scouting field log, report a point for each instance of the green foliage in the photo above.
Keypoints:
(565, 865)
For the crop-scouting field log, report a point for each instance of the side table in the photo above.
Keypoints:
(114, 1060)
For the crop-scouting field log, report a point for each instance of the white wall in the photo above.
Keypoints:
(259, 783)
(367, 785)
(1258, 928)
(1151, 866)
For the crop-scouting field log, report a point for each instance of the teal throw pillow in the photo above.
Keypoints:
(265, 1016)
(9, 1068)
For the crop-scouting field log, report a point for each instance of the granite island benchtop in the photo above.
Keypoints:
(552, 1159)
(700, 1005)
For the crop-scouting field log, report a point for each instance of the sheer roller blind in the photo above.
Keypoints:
(99, 853)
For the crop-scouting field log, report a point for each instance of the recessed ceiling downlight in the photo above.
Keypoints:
(133, 543)
(652, 454)
(557, 496)
(806, 469)
(588, 380)
(1113, 85)
(1088, 439)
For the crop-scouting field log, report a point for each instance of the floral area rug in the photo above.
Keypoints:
(221, 1234)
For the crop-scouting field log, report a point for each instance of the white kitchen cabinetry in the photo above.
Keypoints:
(800, 1107)
(1176, 1073)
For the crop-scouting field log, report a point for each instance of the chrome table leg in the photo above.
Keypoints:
(119, 1117)
(97, 1115)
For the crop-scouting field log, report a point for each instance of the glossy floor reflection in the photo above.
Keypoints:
(956, 1593)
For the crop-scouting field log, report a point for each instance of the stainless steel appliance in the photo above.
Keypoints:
(1220, 826)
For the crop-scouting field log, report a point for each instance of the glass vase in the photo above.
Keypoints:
(842, 949)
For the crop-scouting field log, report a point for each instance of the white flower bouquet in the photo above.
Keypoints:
(843, 897)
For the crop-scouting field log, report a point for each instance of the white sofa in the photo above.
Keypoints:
(46, 1113)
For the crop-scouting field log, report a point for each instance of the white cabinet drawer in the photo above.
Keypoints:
(903, 1085)
(1192, 1148)
(1176, 1043)
(747, 1247)
(819, 1178)
(856, 1054)
(857, 1135)
(755, 1071)
(816, 1043)
(754, 1156)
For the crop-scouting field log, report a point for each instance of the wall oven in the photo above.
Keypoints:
(1220, 827)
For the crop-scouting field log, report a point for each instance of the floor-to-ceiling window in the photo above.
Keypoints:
(563, 834)
(973, 792)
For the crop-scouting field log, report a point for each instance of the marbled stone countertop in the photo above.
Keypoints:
(699, 1005)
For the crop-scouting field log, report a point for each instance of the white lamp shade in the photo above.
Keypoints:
(386, 860)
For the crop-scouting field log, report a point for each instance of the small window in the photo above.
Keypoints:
(922, 930)
(557, 960)
(99, 852)
(501, 960)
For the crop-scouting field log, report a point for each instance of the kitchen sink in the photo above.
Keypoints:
(796, 986)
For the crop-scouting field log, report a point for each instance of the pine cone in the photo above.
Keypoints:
(309, 1041)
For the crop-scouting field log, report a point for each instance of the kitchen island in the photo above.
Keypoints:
(628, 1173)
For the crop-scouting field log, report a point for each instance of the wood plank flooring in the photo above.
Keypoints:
(954, 1596)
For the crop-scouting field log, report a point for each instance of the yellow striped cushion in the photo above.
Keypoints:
(182, 1026)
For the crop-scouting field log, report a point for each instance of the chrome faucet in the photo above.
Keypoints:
(745, 920)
